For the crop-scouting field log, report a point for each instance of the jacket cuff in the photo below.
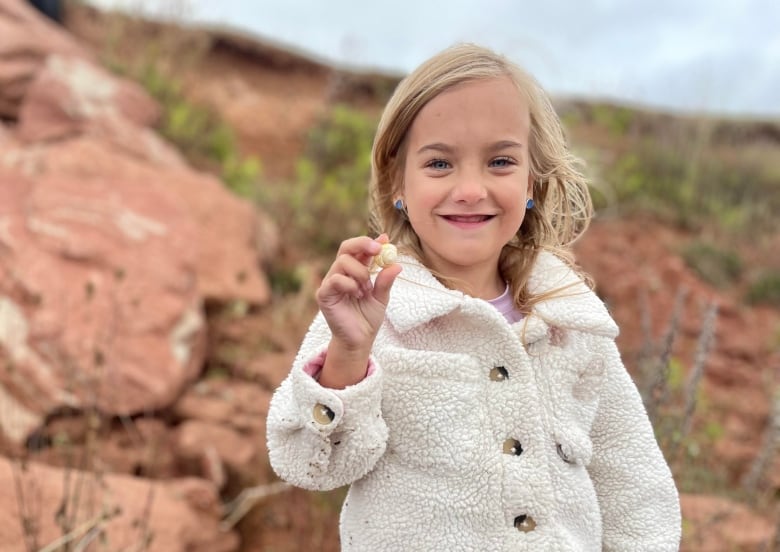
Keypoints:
(324, 410)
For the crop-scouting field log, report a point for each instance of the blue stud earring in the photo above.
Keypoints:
(399, 204)
(529, 204)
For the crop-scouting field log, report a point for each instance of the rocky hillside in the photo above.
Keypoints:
(146, 312)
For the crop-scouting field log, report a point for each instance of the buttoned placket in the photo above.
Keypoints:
(513, 447)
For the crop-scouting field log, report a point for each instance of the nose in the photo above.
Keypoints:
(469, 188)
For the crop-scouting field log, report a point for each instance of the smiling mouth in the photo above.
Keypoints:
(468, 218)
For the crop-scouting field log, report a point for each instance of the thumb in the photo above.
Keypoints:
(384, 281)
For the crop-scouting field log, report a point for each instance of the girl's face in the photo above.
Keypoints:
(467, 179)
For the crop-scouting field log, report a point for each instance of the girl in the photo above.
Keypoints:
(478, 402)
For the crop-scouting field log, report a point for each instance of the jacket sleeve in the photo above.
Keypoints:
(320, 438)
(637, 496)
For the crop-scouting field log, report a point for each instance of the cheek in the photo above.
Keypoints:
(418, 193)
(408, 184)
(514, 197)
(516, 218)
(514, 206)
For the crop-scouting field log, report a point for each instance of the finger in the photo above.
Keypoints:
(362, 248)
(336, 287)
(384, 282)
(351, 267)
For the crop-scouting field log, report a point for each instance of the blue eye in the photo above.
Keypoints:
(438, 164)
(502, 162)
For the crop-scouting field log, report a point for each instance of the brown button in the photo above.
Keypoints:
(322, 414)
(499, 373)
(563, 455)
(512, 446)
(525, 523)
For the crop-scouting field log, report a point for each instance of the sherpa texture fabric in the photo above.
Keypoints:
(421, 439)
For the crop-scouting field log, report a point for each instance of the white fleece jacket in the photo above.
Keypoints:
(464, 439)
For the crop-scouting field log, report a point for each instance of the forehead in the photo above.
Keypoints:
(492, 109)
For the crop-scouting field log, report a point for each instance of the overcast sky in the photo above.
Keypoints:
(719, 56)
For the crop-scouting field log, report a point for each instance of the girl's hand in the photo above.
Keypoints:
(354, 307)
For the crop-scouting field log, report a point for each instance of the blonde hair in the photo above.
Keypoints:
(563, 206)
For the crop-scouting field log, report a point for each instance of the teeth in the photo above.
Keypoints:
(469, 218)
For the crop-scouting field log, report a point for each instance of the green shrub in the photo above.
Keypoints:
(197, 131)
(693, 185)
(766, 290)
(653, 179)
(328, 200)
(616, 119)
(285, 280)
(720, 267)
(241, 174)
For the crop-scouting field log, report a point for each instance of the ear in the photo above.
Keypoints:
(530, 190)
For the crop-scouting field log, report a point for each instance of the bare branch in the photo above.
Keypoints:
(238, 508)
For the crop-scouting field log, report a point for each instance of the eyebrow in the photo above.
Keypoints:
(444, 148)
(437, 146)
(503, 144)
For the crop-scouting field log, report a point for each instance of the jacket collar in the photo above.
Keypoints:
(417, 297)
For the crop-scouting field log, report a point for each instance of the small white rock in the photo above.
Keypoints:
(386, 256)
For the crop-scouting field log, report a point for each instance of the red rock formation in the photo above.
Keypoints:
(178, 515)
(28, 39)
(110, 244)
(71, 95)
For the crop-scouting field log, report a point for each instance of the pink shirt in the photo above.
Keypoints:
(506, 306)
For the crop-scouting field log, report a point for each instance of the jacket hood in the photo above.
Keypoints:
(418, 297)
